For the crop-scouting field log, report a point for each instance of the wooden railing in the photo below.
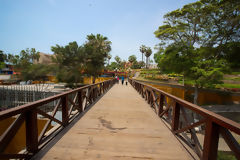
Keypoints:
(69, 104)
(188, 121)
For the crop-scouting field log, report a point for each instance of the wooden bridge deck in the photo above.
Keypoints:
(121, 125)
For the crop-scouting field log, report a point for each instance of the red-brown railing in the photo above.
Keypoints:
(70, 103)
(183, 118)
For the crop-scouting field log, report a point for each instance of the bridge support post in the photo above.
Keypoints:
(64, 110)
(176, 115)
(211, 138)
(80, 105)
(31, 131)
(161, 100)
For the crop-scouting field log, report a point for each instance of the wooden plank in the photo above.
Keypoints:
(176, 116)
(48, 116)
(65, 117)
(31, 131)
(190, 126)
(218, 119)
(117, 127)
(49, 121)
(211, 138)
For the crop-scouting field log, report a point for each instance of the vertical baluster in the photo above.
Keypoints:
(31, 131)
(80, 101)
(65, 117)
(161, 104)
(176, 116)
(211, 138)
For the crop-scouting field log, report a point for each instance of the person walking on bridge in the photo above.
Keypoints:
(122, 80)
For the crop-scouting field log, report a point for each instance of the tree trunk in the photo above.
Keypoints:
(195, 95)
(142, 56)
(146, 62)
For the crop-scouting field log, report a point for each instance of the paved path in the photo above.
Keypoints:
(120, 125)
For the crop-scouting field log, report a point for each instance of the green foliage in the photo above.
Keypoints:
(137, 65)
(72, 59)
(132, 58)
(225, 156)
(227, 85)
(118, 59)
(147, 51)
(112, 66)
(2, 59)
(142, 50)
(200, 40)
(97, 50)
(26, 63)
(35, 72)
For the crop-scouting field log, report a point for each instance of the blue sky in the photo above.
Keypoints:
(41, 24)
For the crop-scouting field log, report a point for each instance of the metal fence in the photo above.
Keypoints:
(12, 96)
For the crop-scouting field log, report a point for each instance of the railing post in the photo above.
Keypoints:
(211, 138)
(31, 131)
(161, 104)
(64, 110)
(176, 115)
(80, 107)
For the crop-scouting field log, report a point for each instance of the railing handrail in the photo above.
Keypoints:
(172, 110)
(218, 119)
(19, 109)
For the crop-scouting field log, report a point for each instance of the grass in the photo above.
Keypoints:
(227, 85)
(235, 73)
(225, 156)
(155, 77)
(232, 78)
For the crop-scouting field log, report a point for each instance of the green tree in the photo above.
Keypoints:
(112, 66)
(96, 49)
(24, 63)
(3, 58)
(70, 60)
(132, 58)
(142, 50)
(137, 65)
(195, 37)
(148, 53)
(109, 58)
(119, 61)
(190, 62)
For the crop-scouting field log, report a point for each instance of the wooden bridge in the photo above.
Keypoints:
(107, 121)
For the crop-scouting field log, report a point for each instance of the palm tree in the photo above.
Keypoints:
(101, 43)
(109, 57)
(148, 53)
(97, 48)
(142, 50)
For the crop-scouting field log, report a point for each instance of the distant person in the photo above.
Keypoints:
(117, 79)
(122, 80)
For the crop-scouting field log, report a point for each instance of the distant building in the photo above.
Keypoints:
(8, 69)
(153, 66)
(44, 59)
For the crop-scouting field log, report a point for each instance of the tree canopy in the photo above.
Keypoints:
(195, 40)
(132, 58)
(73, 60)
